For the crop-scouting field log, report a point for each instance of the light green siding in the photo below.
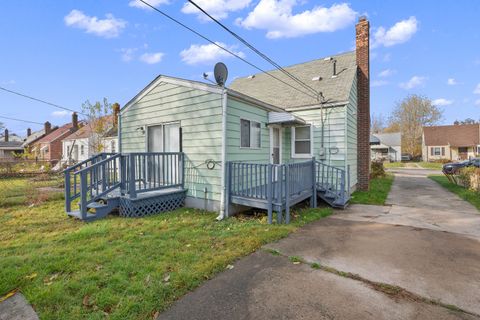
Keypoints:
(237, 110)
(200, 115)
(333, 135)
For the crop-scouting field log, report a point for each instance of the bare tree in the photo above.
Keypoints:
(410, 116)
(466, 121)
(377, 123)
(100, 121)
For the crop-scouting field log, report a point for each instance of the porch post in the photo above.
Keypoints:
(313, 202)
(68, 205)
(132, 183)
(269, 193)
(287, 193)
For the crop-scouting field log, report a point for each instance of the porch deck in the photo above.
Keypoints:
(279, 187)
(135, 184)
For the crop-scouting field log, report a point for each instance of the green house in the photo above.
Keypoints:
(262, 141)
(255, 119)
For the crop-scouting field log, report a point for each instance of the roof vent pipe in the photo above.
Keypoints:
(334, 68)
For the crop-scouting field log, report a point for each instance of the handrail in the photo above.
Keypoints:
(98, 155)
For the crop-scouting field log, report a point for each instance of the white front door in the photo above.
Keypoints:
(275, 145)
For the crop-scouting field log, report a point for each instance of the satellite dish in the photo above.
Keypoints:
(221, 73)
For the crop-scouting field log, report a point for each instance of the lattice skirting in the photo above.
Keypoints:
(152, 205)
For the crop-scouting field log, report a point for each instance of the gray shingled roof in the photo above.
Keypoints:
(335, 90)
(11, 145)
(389, 139)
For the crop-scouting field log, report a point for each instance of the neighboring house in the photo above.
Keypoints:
(49, 147)
(84, 143)
(32, 137)
(453, 142)
(257, 119)
(10, 145)
(386, 146)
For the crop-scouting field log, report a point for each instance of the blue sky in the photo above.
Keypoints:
(69, 51)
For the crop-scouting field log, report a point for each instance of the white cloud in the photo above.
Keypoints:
(442, 102)
(400, 32)
(219, 9)
(477, 103)
(110, 27)
(477, 89)
(451, 81)
(207, 53)
(386, 73)
(141, 5)
(280, 22)
(128, 54)
(414, 82)
(60, 114)
(379, 83)
(152, 58)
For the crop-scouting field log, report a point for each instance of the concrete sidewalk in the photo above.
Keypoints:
(264, 286)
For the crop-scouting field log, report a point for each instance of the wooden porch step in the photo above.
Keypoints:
(78, 214)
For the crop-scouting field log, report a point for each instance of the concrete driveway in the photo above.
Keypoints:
(417, 258)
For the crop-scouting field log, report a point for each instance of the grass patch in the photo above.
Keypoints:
(431, 165)
(118, 267)
(468, 195)
(377, 193)
(391, 165)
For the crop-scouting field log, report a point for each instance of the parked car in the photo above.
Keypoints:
(407, 157)
(453, 167)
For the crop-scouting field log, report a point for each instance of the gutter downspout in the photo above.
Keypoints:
(222, 214)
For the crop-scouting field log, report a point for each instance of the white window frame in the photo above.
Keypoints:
(162, 124)
(302, 155)
(251, 136)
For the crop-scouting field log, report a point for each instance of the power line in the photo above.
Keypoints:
(40, 100)
(224, 49)
(21, 120)
(258, 52)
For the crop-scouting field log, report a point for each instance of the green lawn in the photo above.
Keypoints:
(118, 267)
(377, 193)
(394, 164)
(21, 191)
(431, 165)
(468, 195)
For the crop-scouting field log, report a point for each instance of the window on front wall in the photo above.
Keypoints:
(82, 150)
(302, 141)
(462, 149)
(249, 134)
(112, 146)
(436, 151)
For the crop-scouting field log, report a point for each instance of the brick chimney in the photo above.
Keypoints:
(74, 120)
(29, 132)
(6, 135)
(48, 127)
(363, 102)
(116, 113)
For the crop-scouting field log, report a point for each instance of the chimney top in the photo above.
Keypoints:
(6, 135)
(362, 18)
(29, 132)
(48, 127)
(116, 113)
(75, 120)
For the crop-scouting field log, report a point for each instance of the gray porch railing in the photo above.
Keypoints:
(271, 186)
(131, 174)
(72, 177)
(333, 181)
